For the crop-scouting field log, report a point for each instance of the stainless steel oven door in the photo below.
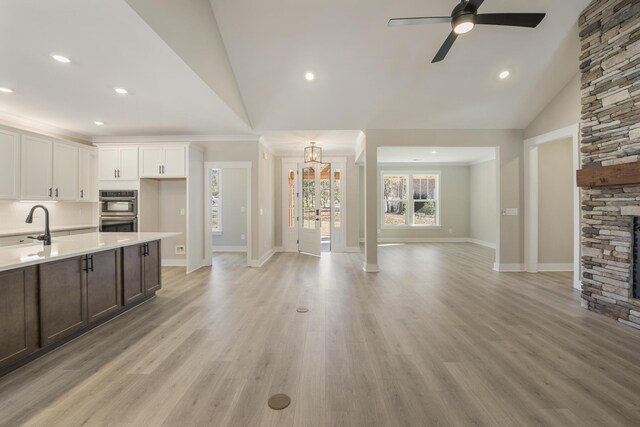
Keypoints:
(118, 207)
(118, 224)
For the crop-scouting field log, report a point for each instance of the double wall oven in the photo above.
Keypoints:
(118, 211)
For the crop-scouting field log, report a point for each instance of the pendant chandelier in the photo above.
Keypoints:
(313, 154)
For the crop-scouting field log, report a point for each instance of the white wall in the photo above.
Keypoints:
(266, 202)
(483, 215)
(195, 210)
(234, 219)
(555, 202)
(172, 198)
(61, 214)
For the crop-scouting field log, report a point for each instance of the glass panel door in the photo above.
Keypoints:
(309, 234)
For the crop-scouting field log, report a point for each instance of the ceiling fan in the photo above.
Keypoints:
(465, 17)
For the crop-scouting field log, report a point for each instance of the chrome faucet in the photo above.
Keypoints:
(46, 237)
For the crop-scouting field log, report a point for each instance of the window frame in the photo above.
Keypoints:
(409, 211)
(218, 231)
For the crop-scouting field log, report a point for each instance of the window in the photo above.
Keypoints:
(337, 214)
(411, 200)
(291, 192)
(215, 186)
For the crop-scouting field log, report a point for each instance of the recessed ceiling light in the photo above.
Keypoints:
(309, 76)
(6, 90)
(121, 91)
(434, 152)
(60, 58)
(504, 74)
(99, 123)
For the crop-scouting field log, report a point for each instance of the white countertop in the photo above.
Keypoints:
(38, 229)
(71, 246)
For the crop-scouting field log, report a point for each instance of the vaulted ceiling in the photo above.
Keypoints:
(219, 67)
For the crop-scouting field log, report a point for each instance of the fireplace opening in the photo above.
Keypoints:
(636, 257)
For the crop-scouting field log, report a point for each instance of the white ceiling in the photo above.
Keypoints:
(456, 155)
(372, 76)
(368, 75)
(109, 45)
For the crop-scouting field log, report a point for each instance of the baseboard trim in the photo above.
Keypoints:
(482, 243)
(513, 268)
(264, 259)
(371, 268)
(229, 249)
(555, 267)
(173, 262)
(434, 240)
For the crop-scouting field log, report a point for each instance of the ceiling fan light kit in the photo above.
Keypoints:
(465, 17)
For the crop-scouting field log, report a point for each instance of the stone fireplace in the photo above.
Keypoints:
(610, 146)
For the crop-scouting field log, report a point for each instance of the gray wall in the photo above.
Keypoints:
(564, 110)
(555, 202)
(482, 202)
(454, 203)
(234, 220)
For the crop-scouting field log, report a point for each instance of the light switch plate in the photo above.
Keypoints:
(180, 250)
(510, 212)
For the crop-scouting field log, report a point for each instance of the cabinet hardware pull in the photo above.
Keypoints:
(163, 169)
(86, 263)
(82, 194)
(50, 192)
(159, 169)
(91, 258)
(115, 173)
(118, 173)
(56, 192)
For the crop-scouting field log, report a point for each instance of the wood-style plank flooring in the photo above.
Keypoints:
(435, 338)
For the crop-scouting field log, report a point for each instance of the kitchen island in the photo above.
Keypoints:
(52, 294)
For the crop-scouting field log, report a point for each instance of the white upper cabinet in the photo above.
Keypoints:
(65, 172)
(87, 175)
(174, 162)
(37, 168)
(163, 162)
(118, 163)
(9, 165)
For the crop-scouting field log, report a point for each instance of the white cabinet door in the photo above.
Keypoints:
(174, 162)
(128, 169)
(108, 163)
(9, 165)
(151, 161)
(88, 189)
(65, 172)
(36, 168)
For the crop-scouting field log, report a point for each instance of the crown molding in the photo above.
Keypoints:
(40, 128)
(176, 138)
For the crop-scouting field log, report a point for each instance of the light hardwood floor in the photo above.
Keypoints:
(435, 338)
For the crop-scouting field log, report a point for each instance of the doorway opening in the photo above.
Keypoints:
(313, 207)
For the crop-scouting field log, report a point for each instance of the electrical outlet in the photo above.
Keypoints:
(182, 211)
(180, 250)
(242, 237)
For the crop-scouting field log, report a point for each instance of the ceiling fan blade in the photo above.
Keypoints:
(442, 53)
(529, 20)
(474, 4)
(396, 22)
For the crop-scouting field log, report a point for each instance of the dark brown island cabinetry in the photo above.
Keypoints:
(45, 305)
(141, 271)
(18, 314)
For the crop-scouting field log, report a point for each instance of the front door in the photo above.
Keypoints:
(309, 234)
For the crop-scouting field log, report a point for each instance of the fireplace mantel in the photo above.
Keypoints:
(623, 174)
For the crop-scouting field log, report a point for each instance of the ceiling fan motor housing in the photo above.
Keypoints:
(462, 13)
